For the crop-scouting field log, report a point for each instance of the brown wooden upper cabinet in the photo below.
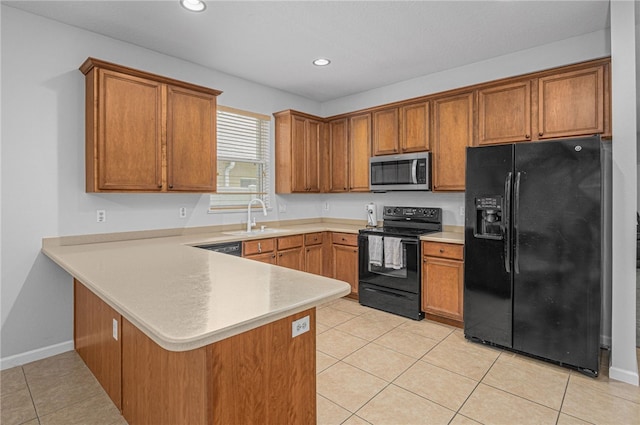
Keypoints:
(504, 113)
(359, 152)
(298, 152)
(452, 133)
(401, 129)
(571, 103)
(338, 155)
(147, 133)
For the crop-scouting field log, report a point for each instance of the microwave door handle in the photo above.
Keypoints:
(414, 171)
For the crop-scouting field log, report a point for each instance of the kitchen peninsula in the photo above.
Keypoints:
(176, 334)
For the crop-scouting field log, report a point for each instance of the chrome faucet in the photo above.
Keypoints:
(264, 210)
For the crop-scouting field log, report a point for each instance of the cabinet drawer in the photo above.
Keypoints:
(345, 239)
(444, 250)
(313, 239)
(287, 242)
(258, 246)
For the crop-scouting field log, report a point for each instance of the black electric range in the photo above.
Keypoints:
(389, 260)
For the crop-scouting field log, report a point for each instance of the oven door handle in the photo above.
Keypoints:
(393, 294)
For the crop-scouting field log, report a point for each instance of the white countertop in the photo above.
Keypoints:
(184, 297)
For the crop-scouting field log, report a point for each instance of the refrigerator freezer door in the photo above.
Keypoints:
(487, 281)
(556, 281)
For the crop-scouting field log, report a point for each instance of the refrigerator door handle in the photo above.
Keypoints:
(507, 222)
(516, 211)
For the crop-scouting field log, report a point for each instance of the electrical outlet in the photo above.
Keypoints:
(101, 216)
(326, 206)
(300, 326)
(115, 329)
(282, 208)
(462, 211)
(183, 212)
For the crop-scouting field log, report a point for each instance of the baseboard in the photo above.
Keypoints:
(628, 376)
(33, 355)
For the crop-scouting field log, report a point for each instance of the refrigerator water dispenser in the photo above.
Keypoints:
(488, 223)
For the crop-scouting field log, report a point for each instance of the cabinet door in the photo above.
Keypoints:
(191, 140)
(345, 265)
(414, 128)
(338, 156)
(385, 132)
(359, 152)
(298, 163)
(312, 155)
(313, 259)
(268, 257)
(571, 104)
(442, 291)
(291, 258)
(453, 132)
(504, 113)
(129, 133)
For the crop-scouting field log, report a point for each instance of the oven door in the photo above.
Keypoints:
(406, 279)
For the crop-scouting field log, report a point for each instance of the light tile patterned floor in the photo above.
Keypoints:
(373, 368)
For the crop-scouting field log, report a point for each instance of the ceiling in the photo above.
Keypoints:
(370, 43)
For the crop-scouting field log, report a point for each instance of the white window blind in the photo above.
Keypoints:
(243, 159)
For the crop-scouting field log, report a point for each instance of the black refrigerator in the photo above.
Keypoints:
(532, 278)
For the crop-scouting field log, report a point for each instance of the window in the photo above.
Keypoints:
(243, 159)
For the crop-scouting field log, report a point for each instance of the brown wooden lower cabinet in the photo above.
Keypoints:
(260, 376)
(345, 260)
(443, 282)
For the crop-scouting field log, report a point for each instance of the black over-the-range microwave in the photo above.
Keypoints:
(409, 171)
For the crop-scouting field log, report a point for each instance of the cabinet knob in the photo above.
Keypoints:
(170, 186)
(528, 136)
(441, 250)
(280, 255)
(540, 134)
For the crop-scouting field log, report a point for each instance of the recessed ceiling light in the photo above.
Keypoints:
(193, 5)
(321, 62)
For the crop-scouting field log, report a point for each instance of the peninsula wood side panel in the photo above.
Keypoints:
(94, 342)
(264, 376)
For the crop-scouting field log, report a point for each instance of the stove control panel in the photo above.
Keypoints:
(413, 212)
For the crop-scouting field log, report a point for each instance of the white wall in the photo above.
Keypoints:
(43, 158)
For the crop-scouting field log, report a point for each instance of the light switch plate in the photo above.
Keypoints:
(300, 326)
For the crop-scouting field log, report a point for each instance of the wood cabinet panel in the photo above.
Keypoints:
(264, 376)
(359, 152)
(338, 155)
(191, 140)
(313, 238)
(291, 258)
(160, 386)
(344, 239)
(442, 293)
(504, 113)
(93, 339)
(443, 282)
(258, 246)
(299, 152)
(314, 259)
(414, 128)
(445, 250)
(267, 257)
(145, 132)
(453, 132)
(126, 148)
(287, 242)
(298, 162)
(386, 132)
(345, 265)
(571, 103)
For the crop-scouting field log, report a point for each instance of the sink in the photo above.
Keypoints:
(266, 231)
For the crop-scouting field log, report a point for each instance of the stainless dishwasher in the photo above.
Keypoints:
(231, 248)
